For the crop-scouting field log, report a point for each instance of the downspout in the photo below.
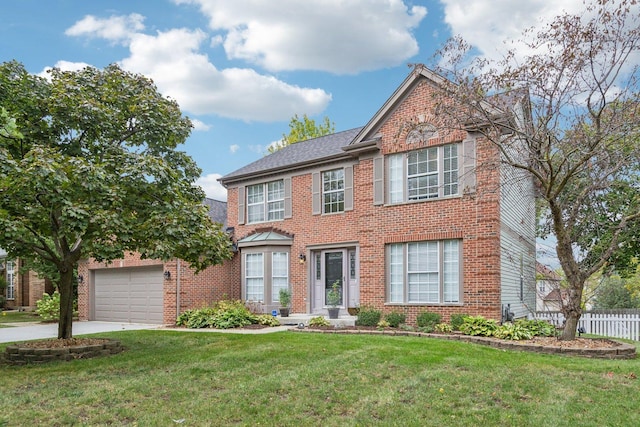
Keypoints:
(177, 287)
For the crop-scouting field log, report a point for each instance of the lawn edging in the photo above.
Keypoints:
(621, 351)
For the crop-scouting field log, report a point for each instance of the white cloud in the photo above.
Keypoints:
(490, 24)
(212, 188)
(115, 28)
(234, 148)
(173, 61)
(328, 35)
(199, 126)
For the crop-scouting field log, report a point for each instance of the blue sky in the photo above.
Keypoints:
(240, 69)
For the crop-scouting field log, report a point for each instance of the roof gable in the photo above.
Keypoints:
(420, 72)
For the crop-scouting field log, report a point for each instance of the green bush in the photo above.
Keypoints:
(513, 331)
(540, 328)
(427, 321)
(48, 308)
(444, 328)
(319, 321)
(395, 319)
(267, 320)
(457, 320)
(223, 315)
(478, 326)
(383, 324)
(368, 316)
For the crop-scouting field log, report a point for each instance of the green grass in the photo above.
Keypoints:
(15, 316)
(319, 379)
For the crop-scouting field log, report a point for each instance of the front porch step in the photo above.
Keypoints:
(297, 318)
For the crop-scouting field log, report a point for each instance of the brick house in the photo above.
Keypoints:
(402, 213)
(23, 288)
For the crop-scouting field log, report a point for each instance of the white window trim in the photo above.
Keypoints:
(398, 192)
(393, 275)
(257, 275)
(338, 191)
(275, 291)
(266, 202)
(11, 280)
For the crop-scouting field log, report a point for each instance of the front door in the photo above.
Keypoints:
(331, 266)
(334, 273)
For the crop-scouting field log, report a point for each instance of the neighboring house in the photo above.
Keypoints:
(403, 214)
(24, 289)
(152, 291)
(549, 296)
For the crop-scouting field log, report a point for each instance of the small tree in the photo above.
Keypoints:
(301, 130)
(89, 168)
(577, 137)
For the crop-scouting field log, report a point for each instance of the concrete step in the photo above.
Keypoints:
(297, 318)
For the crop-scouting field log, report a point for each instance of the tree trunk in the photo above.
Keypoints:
(572, 310)
(65, 287)
(570, 327)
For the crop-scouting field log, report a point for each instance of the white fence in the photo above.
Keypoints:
(616, 325)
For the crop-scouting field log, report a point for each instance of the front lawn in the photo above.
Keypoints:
(15, 316)
(204, 378)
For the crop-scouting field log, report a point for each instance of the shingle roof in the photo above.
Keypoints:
(300, 153)
(217, 211)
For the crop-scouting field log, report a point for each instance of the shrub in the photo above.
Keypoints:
(382, 324)
(478, 325)
(48, 308)
(513, 331)
(395, 319)
(457, 320)
(183, 318)
(224, 314)
(427, 321)
(267, 320)
(368, 316)
(540, 328)
(444, 328)
(319, 321)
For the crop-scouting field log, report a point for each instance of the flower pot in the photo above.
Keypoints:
(284, 311)
(333, 312)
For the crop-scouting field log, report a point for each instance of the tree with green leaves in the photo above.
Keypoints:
(612, 292)
(575, 131)
(89, 167)
(301, 130)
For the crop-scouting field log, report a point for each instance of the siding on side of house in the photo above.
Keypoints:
(517, 241)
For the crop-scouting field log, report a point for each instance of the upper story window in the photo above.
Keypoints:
(265, 202)
(423, 174)
(333, 191)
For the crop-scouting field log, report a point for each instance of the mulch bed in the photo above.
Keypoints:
(585, 347)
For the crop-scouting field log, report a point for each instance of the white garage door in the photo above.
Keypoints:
(128, 295)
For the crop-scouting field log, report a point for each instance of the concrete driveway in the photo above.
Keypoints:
(37, 331)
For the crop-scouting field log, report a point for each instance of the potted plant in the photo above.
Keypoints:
(334, 298)
(285, 300)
